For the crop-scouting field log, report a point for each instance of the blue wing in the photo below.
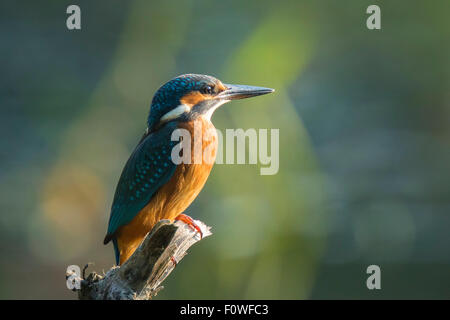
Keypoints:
(149, 167)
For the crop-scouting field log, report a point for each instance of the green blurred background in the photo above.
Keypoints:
(364, 143)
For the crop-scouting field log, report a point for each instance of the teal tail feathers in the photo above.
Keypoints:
(116, 250)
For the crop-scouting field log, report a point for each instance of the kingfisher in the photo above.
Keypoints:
(153, 184)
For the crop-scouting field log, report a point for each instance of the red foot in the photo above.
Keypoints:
(188, 220)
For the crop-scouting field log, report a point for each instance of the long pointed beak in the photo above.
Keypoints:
(235, 91)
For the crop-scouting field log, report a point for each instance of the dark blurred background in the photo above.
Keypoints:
(364, 143)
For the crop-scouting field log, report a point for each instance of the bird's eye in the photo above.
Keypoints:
(207, 90)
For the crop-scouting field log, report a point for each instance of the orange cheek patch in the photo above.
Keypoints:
(192, 98)
(221, 87)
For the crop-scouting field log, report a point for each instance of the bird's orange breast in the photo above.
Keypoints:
(179, 192)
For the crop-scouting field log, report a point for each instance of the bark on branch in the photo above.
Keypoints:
(141, 276)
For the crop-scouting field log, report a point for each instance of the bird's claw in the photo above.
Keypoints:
(190, 222)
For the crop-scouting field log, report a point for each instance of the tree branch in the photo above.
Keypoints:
(141, 276)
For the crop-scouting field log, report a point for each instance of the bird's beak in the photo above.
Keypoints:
(235, 91)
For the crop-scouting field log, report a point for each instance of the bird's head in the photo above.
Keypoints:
(191, 95)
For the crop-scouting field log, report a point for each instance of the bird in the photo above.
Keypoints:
(152, 185)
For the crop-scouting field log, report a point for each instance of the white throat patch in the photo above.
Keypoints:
(210, 112)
